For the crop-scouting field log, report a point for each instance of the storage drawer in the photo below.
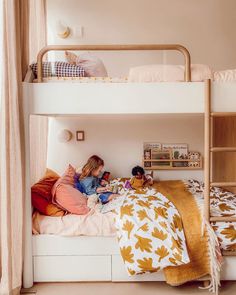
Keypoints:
(77, 246)
(119, 273)
(72, 268)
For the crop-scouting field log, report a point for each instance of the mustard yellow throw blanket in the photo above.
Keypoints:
(201, 244)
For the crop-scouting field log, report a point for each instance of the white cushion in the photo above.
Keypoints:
(168, 73)
(92, 65)
(224, 76)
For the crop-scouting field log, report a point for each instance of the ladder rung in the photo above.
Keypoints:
(223, 218)
(223, 114)
(223, 184)
(229, 253)
(223, 149)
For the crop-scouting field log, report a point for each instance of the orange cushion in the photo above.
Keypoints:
(66, 196)
(44, 186)
(41, 195)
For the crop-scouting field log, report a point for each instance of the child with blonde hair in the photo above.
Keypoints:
(89, 181)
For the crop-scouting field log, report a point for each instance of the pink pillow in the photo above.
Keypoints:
(66, 196)
(66, 178)
(70, 199)
(225, 76)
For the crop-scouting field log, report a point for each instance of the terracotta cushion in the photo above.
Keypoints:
(41, 195)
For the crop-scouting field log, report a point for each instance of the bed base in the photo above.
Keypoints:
(67, 259)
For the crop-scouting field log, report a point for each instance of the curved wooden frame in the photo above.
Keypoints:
(177, 47)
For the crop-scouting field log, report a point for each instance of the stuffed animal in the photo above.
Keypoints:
(105, 178)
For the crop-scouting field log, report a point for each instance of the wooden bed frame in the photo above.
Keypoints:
(39, 99)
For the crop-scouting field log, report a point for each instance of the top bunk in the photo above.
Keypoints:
(135, 94)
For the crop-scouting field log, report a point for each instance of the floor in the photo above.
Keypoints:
(148, 288)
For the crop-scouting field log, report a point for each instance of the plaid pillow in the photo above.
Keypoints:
(59, 69)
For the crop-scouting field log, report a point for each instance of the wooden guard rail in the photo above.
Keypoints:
(176, 47)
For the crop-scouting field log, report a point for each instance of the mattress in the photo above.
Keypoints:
(154, 74)
(223, 203)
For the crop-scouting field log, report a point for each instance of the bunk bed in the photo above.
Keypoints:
(46, 254)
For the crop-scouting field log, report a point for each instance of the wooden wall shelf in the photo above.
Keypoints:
(171, 167)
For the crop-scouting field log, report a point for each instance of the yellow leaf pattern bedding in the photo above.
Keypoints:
(150, 232)
(223, 203)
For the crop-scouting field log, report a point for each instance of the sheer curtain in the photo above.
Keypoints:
(16, 26)
(11, 168)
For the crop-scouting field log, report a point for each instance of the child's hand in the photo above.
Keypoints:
(101, 190)
(109, 188)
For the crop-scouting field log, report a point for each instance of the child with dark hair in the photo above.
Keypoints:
(139, 179)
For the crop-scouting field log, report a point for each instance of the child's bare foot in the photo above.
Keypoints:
(113, 196)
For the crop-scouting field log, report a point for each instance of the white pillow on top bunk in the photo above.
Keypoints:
(168, 73)
(225, 75)
(92, 65)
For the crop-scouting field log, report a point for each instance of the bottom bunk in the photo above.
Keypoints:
(95, 223)
(96, 257)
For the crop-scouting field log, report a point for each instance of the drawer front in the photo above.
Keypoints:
(72, 268)
(119, 273)
(77, 246)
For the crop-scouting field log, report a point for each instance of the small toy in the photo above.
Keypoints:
(195, 157)
(147, 155)
(105, 178)
(127, 185)
(105, 182)
(106, 175)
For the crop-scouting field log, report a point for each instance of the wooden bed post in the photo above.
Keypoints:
(207, 143)
(28, 253)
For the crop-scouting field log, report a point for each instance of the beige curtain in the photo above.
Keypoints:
(38, 124)
(38, 27)
(16, 25)
(11, 168)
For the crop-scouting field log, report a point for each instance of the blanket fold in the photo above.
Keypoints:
(201, 245)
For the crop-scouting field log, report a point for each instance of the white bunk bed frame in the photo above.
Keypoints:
(55, 258)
